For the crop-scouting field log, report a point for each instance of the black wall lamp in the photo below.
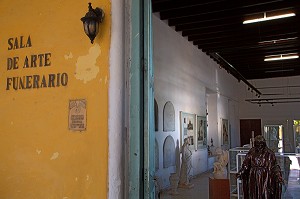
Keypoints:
(91, 22)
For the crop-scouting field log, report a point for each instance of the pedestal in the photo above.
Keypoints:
(219, 189)
(174, 179)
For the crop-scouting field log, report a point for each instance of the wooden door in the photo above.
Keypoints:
(140, 161)
(246, 128)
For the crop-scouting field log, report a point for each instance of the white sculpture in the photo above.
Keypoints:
(186, 165)
(220, 171)
(174, 177)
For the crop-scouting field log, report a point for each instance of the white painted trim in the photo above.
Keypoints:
(116, 104)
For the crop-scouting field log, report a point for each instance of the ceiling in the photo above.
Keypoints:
(216, 27)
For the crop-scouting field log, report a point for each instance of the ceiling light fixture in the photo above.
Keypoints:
(281, 57)
(277, 41)
(279, 71)
(265, 18)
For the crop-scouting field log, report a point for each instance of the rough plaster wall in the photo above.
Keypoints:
(182, 75)
(116, 103)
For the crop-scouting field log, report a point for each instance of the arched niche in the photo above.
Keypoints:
(169, 152)
(156, 156)
(169, 117)
(156, 114)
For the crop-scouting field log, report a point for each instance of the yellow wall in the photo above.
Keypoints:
(40, 156)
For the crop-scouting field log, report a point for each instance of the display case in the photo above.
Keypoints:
(235, 161)
(274, 137)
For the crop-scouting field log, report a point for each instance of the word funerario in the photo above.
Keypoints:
(37, 81)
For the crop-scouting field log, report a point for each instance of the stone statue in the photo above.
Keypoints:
(260, 173)
(186, 165)
(220, 170)
(174, 177)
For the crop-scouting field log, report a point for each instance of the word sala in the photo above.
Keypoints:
(15, 43)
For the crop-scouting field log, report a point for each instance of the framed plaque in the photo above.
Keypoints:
(77, 115)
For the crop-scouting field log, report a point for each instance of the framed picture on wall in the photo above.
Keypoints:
(201, 131)
(225, 133)
(187, 128)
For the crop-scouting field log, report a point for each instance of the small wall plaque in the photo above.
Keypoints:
(77, 115)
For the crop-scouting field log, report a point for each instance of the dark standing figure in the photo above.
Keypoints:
(260, 173)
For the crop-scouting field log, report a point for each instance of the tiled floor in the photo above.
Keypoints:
(200, 190)
(292, 190)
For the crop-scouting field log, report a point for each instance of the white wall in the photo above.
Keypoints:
(194, 83)
(279, 113)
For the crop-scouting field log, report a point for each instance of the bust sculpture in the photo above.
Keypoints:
(260, 173)
(186, 165)
(220, 170)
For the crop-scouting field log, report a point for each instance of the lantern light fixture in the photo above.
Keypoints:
(91, 21)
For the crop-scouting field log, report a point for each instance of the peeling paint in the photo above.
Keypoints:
(87, 177)
(86, 68)
(38, 151)
(76, 179)
(54, 156)
(11, 123)
(69, 56)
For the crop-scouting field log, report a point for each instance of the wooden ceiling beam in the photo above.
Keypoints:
(216, 27)
(235, 48)
(254, 40)
(168, 5)
(239, 57)
(260, 64)
(219, 22)
(255, 75)
(227, 8)
(239, 28)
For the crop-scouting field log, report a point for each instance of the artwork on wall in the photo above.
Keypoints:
(225, 133)
(169, 117)
(201, 133)
(187, 128)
